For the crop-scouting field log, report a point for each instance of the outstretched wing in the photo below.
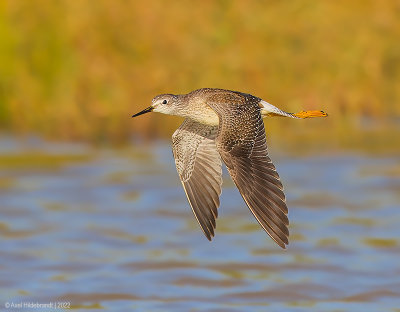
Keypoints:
(242, 145)
(199, 167)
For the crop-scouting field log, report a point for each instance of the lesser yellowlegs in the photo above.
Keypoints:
(223, 124)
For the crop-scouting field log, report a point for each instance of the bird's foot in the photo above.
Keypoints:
(310, 114)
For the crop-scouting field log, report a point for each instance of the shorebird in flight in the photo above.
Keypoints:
(223, 124)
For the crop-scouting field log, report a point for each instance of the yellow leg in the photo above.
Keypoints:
(310, 114)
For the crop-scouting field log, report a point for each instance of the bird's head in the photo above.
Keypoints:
(163, 103)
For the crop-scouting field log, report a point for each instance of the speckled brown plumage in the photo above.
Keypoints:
(240, 141)
(223, 124)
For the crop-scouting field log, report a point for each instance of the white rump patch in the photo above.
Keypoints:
(267, 109)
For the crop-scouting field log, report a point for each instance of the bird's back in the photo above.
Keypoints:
(206, 105)
(222, 96)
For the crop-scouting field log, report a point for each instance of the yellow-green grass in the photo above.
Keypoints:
(79, 69)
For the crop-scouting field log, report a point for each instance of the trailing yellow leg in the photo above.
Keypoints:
(310, 114)
(269, 110)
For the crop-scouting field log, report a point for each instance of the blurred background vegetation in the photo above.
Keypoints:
(77, 70)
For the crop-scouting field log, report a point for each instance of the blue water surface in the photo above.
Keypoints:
(113, 230)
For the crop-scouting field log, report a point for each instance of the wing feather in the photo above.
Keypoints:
(242, 145)
(199, 167)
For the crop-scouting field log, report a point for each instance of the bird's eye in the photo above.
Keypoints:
(165, 102)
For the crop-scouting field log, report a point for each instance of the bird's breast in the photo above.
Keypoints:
(205, 115)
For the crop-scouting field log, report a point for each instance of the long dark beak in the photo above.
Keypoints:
(147, 110)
